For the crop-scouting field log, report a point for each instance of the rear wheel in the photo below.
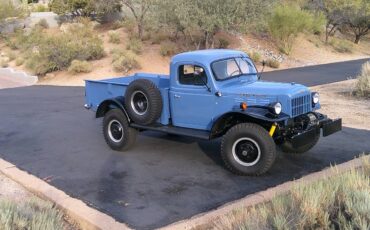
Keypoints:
(117, 133)
(247, 149)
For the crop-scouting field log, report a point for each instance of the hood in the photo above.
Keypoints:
(263, 88)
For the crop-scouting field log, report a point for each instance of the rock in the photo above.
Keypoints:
(50, 17)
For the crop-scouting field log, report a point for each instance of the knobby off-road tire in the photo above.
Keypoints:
(248, 149)
(117, 133)
(143, 102)
(287, 147)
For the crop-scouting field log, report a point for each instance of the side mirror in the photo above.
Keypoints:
(263, 68)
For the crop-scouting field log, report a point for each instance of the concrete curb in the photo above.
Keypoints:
(19, 76)
(259, 197)
(87, 217)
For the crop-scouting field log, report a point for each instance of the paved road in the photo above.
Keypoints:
(318, 74)
(45, 131)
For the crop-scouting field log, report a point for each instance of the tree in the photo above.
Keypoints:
(336, 12)
(286, 22)
(200, 20)
(139, 10)
(358, 19)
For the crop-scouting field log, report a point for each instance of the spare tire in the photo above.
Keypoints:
(143, 101)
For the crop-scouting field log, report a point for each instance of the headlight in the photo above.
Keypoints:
(315, 98)
(276, 108)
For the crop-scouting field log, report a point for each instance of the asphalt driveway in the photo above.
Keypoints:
(45, 131)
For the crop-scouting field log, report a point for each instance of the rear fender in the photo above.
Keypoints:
(113, 103)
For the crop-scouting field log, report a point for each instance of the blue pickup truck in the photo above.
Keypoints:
(213, 94)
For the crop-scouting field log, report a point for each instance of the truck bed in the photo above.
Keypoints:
(97, 91)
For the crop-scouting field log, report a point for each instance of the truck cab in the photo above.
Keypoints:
(213, 94)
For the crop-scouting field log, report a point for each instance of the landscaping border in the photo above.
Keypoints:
(92, 219)
(205, 218)
(88, 218)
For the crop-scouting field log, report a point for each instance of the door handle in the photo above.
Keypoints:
(177, 96)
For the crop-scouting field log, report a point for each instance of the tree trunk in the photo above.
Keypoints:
(140, 29)
(357, 39)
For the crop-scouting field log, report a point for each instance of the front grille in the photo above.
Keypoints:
(301, 105)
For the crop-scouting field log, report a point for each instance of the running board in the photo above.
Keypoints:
(196, 133)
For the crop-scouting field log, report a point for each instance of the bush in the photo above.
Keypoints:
(135, 45)
(78, 66)
(362, 87)
(54, 52)
(168, 49)
(117, 25)
(8, 9)
(19, 61)
(255, 56)
(286, 22)
(4, 62)
(341, 46)
(223, 43)
(339, 202)
(124, 61)
(43, 23)
(11, 55)
(273, 63)
(40, 8)
(114, 37)
(159, 37)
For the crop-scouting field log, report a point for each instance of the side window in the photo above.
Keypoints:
(192, 75)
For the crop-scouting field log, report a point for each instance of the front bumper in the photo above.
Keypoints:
(327, 125)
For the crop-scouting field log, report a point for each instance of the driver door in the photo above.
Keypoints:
(192, 105)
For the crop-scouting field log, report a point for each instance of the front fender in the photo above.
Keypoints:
(105, 106)
(259, 115)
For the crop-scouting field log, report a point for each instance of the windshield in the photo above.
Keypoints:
(233, 67)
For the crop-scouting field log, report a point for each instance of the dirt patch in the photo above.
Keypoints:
(337, 101)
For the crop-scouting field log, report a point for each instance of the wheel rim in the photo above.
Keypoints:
(115, 131)
(139, 102)
(246, 151)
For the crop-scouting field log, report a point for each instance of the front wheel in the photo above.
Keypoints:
(117, 133)
(248, 149)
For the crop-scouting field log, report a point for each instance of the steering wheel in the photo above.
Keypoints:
(236, 71)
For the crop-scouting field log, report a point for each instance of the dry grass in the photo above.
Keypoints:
(32, 214)
(340, 202)
(362, 87)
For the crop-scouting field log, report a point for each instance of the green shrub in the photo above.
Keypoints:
(124, 61)
(78, 66)
(19, 61)
(43, 23)
(339, 202)
(114, 37)
(54, 52)
(135, 45)
(341, 46)
(8, 9)
(255, 56)
(40, 8)
(273, 63)
(286, 22)
(168, 49)
(362, 87)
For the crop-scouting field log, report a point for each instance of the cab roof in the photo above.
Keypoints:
(207, 56)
